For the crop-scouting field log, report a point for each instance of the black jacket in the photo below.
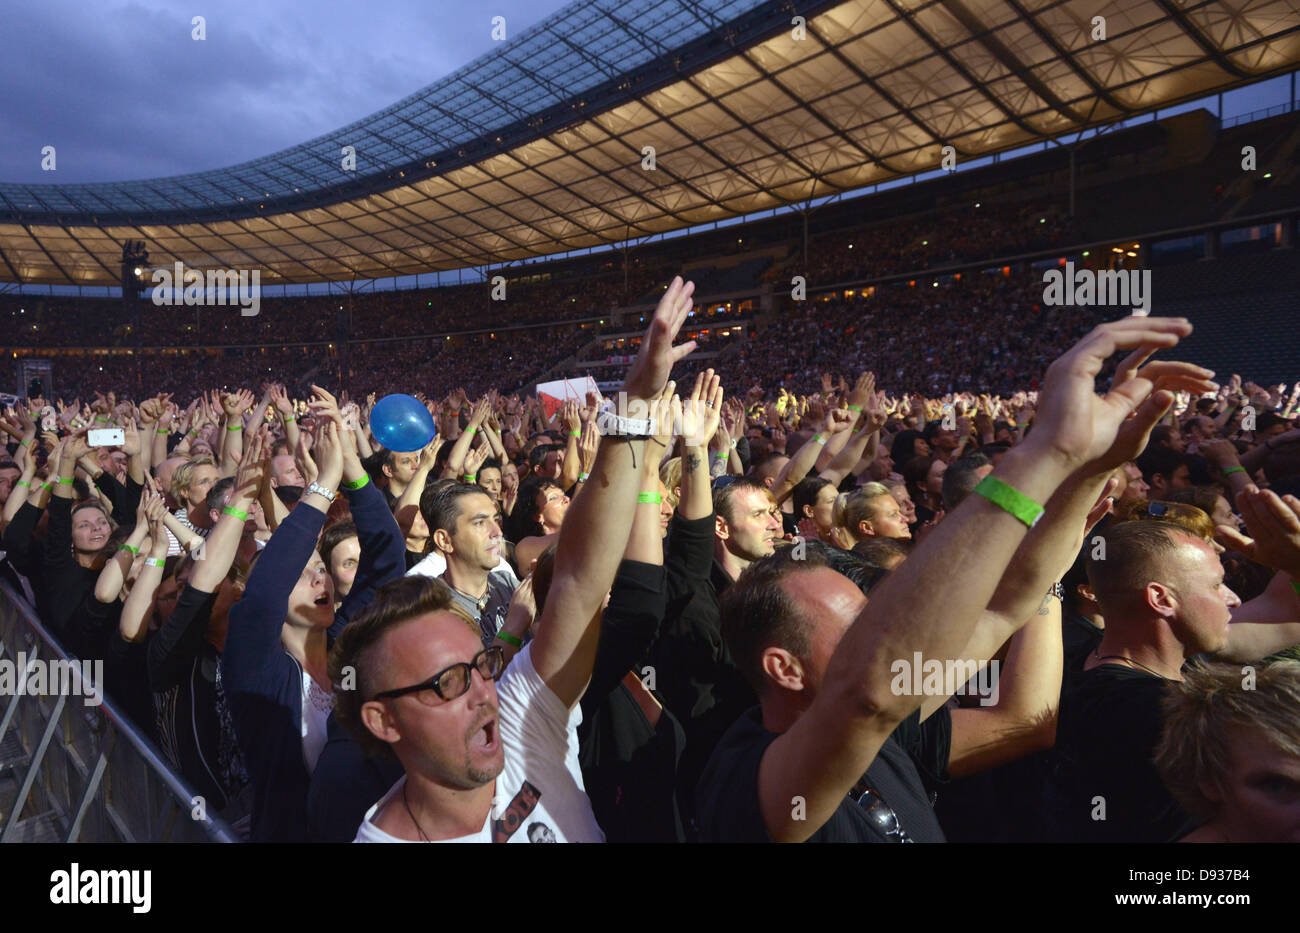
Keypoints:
(694, 672)
(629, 765)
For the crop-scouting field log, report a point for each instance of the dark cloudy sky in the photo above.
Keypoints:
(121, 90)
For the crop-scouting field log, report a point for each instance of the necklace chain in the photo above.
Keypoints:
(1120, 657)
(411, 814)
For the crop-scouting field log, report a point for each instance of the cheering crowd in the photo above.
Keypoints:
(964, 598)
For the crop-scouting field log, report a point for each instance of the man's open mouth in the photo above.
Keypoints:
(486, 738)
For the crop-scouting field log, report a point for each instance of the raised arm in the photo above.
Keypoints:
(596, 528)
(933, 600)
(234, 405)
(109, 583)
(637, 599)
(571, 466)
(284, 409)
(1022, 717)
(134, 623)
(383, 549)
(837, 421)
(1271, 621)
(406, 507)
(699, 422)
(456, 459)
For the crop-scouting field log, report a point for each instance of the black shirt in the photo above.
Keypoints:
(1109, 727)
(1079, 639)
(629, 764)
(911, 761)
(696, 677)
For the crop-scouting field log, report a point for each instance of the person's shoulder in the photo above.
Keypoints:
(727, 791)
(503, 578)
(433, 565)
(369, 830)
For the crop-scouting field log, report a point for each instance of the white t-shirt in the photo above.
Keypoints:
(435, 565)
(539, 794)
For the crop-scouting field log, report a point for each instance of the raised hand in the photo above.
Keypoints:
(481, 411)
(474, 459)
(303, 458)
(1274, 527)
(236, 403)
(701, 412)
(569, 417)
(429, 456)
(588, 446)
(76, 445)
(864, 391)
(657, 356)
(1077, 427)
(280, 399)
(329, 454)
(254, 467)
(325, 405)
(837, 420)
(130, 438)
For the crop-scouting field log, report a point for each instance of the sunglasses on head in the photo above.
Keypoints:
(454, 681)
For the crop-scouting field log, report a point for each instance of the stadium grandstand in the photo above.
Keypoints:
(857, 236)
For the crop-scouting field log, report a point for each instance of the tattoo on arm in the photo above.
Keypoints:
(691, 462)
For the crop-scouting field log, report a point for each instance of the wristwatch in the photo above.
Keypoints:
(321, 491)
(611, 424)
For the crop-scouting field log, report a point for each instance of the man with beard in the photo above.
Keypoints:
(484, 760)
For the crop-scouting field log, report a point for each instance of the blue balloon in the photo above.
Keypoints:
(402, 423)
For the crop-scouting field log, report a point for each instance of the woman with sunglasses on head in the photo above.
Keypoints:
(274, 666)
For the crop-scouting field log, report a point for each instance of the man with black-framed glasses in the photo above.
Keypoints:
(488, 760)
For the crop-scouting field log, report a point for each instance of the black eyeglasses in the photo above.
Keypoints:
(452, 682)
(879, 814)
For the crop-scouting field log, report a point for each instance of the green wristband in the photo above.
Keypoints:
(27, 443)
(1010, 500)
(155, 562)
(101, 420)
(575, 434)
(238, 513)
(471, 431)
(509, 639)
(1236, 469)
(857, 408)
(22, 482)
(289, 418)
(652, 498)
(234, 427)
(163, 431)
(722, 456)
(471, 477)
(819, 439)
(356, 483)
(127, 547)
(65, 482)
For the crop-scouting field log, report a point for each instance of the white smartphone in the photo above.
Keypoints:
(106, 437)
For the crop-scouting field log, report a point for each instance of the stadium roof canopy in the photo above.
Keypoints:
(537, 147)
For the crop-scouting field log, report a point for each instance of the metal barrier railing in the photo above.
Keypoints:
(74, 772)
